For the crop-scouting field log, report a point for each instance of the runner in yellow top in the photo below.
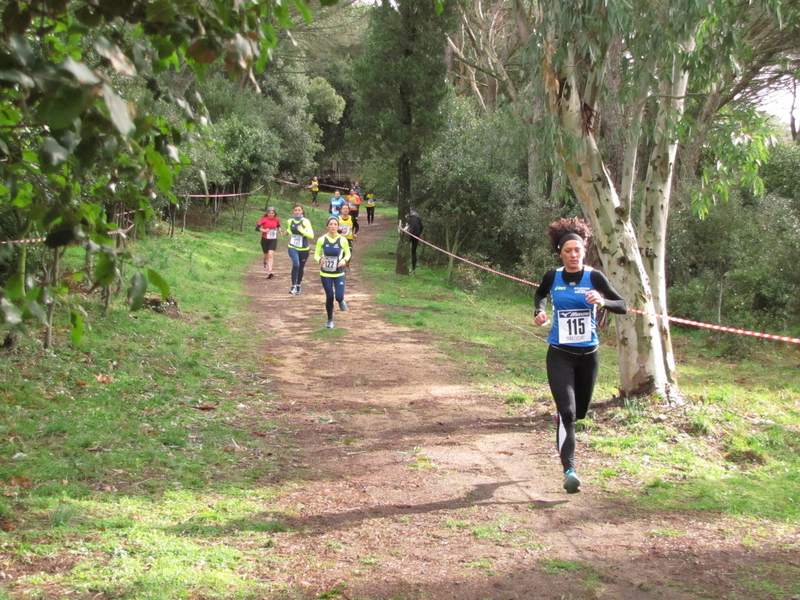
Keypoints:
(300, 232)
(347, 227)
(332, 253)
(370, 204)
(314, 187)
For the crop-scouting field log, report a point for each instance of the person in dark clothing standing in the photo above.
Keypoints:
(576, 291)
(415, 228)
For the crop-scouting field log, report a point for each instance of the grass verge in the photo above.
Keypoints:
(732, 447)
(123, 463)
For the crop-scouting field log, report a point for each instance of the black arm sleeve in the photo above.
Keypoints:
(612, 300)
(540, 299)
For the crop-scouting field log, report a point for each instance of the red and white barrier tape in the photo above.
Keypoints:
(336, 187)
(222, 195)
(769, 336)
(30, 241)
(34, 240)
(126, 230)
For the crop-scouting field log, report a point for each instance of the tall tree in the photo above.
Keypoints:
(652, 49)
(402, 81)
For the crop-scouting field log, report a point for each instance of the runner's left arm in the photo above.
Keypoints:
(612, 301)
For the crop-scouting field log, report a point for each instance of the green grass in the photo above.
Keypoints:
(109, 464)
(107, 456)
(732, 448)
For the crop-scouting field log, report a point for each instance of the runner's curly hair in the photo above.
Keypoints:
(558, 229)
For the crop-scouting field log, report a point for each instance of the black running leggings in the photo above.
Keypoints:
(571, 373)
(414, 244)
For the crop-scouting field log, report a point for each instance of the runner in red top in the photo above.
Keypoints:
(270, 226)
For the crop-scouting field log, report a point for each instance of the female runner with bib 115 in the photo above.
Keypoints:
(572, 362)
(332, 253)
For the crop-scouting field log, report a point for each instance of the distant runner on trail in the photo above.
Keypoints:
(370, 204)
(270, 226)
(300, 232)
(354, 202)
(415, 228)
(347, 227)
(336, 203)
(572, 361)
(314, 187)
(332, 253)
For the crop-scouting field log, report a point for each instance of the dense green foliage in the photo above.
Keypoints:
(401, 82)
(99, 108)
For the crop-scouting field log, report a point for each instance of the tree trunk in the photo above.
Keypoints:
(452, 240)
(641, 355)
(656, 202)
(403, 208)
(52, 281)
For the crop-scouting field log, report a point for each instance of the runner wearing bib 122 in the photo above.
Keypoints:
(332, 253)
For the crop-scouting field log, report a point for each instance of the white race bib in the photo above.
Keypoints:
(296, 240)
(344, 229)
(330, 264)
(272, 234)
(574, 326)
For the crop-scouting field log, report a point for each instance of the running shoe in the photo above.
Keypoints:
(343, 305)
(293, 290)
(571, 482)
(270, 276)
(329, 325)
(297, 290)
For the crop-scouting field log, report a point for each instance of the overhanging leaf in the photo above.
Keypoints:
(105, 271)
(159, 282)
(52, 155)
(78, 327)
(137, 290)
(61, 235)
(11, 315)
(37, 310)
(82, 74)
(59, 111)
(118, 110)
(111, 52)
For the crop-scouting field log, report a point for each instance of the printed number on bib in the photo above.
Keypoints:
(330, 264)
(272, 234)
(574, 326)
(296, 240)
(345, 229)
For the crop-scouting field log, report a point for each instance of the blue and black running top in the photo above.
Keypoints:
(329, 253)
(574, 319)
(299, 233)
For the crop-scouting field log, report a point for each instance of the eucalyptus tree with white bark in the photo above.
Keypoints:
(653, 49)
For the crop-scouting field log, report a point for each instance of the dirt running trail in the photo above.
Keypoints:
(406, 483)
